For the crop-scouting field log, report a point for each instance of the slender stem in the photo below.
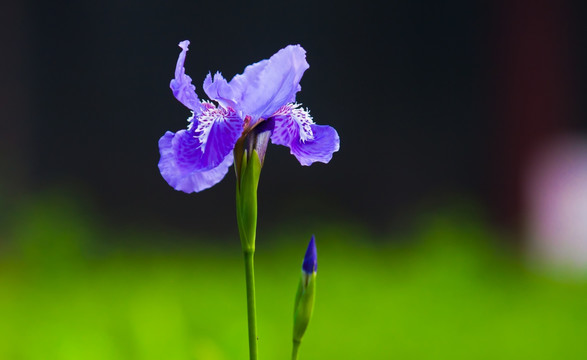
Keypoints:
(251, 307)
(294, 352)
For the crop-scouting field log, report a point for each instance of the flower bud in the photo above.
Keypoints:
(304, 302)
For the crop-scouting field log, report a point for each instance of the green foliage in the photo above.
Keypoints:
(447, 293)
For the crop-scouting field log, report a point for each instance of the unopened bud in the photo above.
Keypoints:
(304, 303)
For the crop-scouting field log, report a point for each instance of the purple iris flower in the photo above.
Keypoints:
(198, 157)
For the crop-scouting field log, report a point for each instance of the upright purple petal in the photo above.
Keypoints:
(321, 148)
(230, 94)
(252, 74)
(180, 155)
(181, 85)
(219, 90)
(217, 130)
(265, 86)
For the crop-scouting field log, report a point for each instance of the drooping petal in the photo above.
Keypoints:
(285, 129)
(265, 86)
(291, 122)
(217, 130)
(181, 85)
(182, 149)
(179, 155)
(294, 127)
(321, 148)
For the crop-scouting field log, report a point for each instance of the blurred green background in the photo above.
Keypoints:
(71, 288)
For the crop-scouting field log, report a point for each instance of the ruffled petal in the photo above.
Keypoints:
(217, 130)
(181, 85)
(294, 127)
(291, 122)
(321, 148)
(219, 90)
(251, 74)
(182, 149)
(179, 155)
(265, 86)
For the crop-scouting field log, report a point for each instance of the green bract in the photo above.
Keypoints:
(304, 304)
(246, 199)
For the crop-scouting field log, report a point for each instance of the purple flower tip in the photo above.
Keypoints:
(184, 44)
(310, 264)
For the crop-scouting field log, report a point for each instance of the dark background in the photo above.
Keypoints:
(433, 101)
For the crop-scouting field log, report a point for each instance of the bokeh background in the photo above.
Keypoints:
(451, 224)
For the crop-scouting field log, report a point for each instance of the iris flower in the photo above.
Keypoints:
(198, 157)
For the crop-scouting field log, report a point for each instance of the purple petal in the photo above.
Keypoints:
(292, 122)
(181, 85)
(217, 131)
(183, 147)
(321, 148)
(265, 86)
(285, 129)
(219, 90)
(179, 156)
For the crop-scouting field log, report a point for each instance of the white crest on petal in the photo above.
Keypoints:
(304, 120)
(207, 104)
(191, 121)
(285, 110)
(301, 117)
(206, 120)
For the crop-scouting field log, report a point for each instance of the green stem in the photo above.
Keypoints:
(251, 307)
(294, 352)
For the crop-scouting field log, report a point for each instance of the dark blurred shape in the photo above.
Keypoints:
(15, 105)
(533, 92)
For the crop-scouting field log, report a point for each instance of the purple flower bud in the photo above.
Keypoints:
(310, 264)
